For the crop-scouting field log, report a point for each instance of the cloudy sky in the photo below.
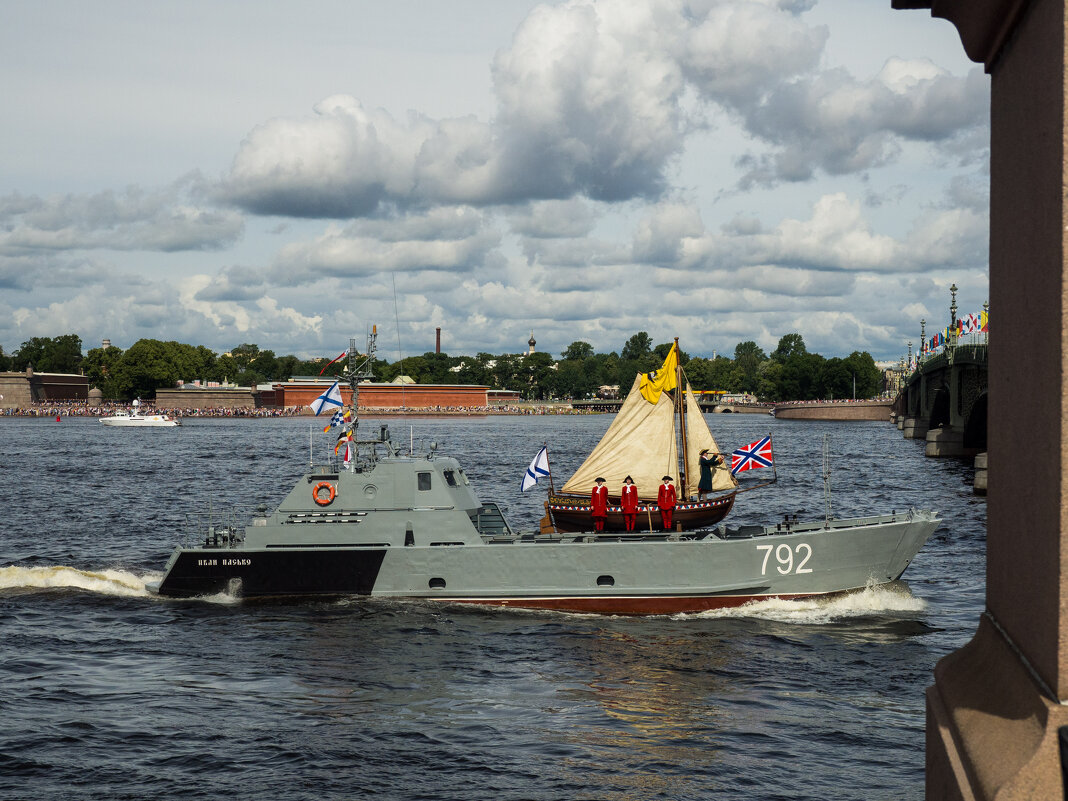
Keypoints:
(288, 174)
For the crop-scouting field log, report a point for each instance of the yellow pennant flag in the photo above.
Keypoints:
(654, 383)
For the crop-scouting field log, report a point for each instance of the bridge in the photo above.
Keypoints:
(945, 401)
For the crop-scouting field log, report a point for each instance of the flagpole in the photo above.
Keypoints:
(684, 473)
(548, 503)
(548, 468)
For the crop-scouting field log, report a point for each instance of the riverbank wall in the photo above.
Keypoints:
(834, 410)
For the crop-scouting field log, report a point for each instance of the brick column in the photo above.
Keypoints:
(995, 708)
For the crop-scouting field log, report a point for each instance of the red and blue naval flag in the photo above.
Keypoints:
(752, 456)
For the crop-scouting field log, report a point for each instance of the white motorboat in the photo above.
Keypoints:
(134, 419)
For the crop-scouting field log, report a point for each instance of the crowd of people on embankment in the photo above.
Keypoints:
(461, 410)
(82, 409)
(832, 400)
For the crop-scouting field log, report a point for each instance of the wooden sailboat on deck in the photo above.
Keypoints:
(648, 440)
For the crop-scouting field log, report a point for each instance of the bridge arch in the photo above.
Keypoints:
(975, 425)
(940, 411)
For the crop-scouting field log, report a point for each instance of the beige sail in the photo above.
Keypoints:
(698, 437)
(640, 443)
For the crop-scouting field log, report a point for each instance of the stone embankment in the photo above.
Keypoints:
(834, 410)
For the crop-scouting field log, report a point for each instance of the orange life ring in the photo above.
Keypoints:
(319, 486)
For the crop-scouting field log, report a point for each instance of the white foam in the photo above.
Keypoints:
(104, 582)
(874, 599)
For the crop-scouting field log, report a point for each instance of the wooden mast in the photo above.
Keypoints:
(681, 406)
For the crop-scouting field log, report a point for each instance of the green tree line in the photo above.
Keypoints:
(790, 372)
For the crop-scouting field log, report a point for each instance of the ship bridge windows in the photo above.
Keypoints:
(423, 482)
(450, 477)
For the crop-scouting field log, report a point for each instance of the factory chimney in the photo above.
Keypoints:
(437, 343)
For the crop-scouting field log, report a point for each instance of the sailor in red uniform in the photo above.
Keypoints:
(665, 501)
(628, 500)
(599, 504)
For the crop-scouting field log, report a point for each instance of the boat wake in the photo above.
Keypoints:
(104, 582)
(875, 599)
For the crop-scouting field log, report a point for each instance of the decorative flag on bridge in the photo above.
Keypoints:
(328, 400)
(970, 324)
(652, 384)
(538, 468)
(752, 456)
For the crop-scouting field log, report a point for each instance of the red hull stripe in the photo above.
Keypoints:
(631, 605)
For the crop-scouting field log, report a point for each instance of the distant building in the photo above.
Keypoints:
(191, 396)
(893, 376)
(22, 389)
(738, 397)
(302, 390)
(502, 397)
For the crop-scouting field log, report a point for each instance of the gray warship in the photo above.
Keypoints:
(399, 525)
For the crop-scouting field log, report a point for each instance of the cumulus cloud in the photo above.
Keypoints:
(588, 103)
(737, 51)
(833, 122)
(35, 271)
(340, 163)
(167, 220)
(553, 219)
(261, 316)
(591, 101)
(457, 240)
(837, 237)
(574, 201)
(659, 237)
(233, 284)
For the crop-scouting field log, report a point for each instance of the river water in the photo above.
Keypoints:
(107, 692)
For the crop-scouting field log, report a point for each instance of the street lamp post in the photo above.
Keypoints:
(953, 315)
